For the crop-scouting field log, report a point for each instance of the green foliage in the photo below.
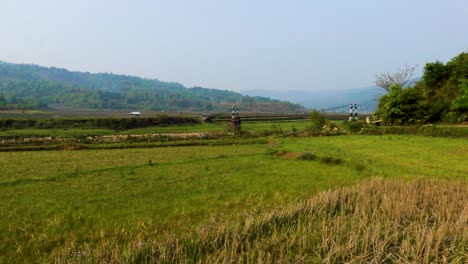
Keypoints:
(354, 125)
(439, 96)
(404, 106)
(317, 120)
(460, 105)
(30, 86)
(435, 75)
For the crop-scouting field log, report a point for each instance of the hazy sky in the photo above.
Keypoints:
(235, 45)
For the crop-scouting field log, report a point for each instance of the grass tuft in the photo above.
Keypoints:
(331, 160)
(307, 156)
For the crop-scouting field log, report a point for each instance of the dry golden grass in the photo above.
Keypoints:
(380, 221)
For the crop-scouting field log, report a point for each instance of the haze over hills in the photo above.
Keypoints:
(26, 86)
(367, 97)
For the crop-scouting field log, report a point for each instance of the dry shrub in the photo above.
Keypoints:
(291, 155)
(272, 142)
(390, 221)
(72, 147)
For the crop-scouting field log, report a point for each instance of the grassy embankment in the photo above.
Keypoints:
(125, 204)
(155, 136)
(208, 127)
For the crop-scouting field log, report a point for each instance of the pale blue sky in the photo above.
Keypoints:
(235, 45)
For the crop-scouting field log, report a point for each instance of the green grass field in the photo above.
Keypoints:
(56, 203)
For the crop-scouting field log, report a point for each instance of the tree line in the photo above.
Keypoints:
(441, 95)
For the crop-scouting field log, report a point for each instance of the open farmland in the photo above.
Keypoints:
(116, 204)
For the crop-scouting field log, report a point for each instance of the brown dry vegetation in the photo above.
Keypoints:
(380, 221)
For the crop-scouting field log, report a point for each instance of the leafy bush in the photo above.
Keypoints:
(317, 120)
(354, 125)
(460, 105)
(404, 107)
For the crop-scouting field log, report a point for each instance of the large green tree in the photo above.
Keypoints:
(404, 106)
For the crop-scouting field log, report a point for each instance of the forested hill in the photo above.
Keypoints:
(25, 86)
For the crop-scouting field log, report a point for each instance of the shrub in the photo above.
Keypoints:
(354, 125)
(317, 120)
(307, 156)
(331, 160)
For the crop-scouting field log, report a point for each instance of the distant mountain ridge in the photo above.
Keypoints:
(25, 86)
(367, 97)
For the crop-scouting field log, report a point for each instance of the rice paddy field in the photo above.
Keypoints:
(277, 199)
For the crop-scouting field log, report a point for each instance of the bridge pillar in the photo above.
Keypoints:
(235, 120)
(353, 113)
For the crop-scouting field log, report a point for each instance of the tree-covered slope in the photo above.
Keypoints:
(24, 86)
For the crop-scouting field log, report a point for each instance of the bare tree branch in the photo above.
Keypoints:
(401, 77)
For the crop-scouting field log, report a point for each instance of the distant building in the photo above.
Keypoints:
(135, 114)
